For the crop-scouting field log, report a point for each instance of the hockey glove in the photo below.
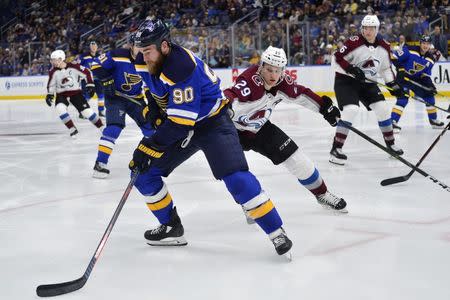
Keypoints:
(152, 113)
(401, 74)
(145, 152)
(49, 99)
(356, 72)
(108, 86)
(329, 111)
(395, 89)
(90, 90)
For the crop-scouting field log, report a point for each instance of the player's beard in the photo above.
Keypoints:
(155, 68)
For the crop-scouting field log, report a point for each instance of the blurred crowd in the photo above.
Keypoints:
(310, 31)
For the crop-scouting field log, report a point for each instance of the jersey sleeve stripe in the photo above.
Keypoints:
(181, 121)
(190, 55)
(122, 59)
(182, 113)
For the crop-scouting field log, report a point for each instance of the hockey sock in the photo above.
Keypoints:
(65, 117)
(381, 109)
(303, 168)
(349, 113)
(107, 142)
(246, 190)
(157, 197)
(432, 113)
(88, 113)
(101, 103)
(398, 108)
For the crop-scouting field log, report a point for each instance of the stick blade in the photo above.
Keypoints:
(51, 290)
(394, 180)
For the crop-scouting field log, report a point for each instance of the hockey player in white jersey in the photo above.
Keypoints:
(254, 96)
(64, 79)
(363, 56)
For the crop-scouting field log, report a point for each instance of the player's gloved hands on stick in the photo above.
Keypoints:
(145, 152)
(152, 113)
(395, 89)
(356, 72)
(90, 90)
(108, 86)
(401, 74)
(329, 111)
(49, 99)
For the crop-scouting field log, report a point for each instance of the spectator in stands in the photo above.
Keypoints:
(439, 41)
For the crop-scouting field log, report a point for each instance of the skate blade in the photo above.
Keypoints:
(288, 256)
(99, 175)
(336, 161)
(179, 241)
(336, 211)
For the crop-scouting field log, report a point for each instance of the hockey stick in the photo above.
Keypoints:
(395, 155)
(409, 96)
(399, 179)
(50, 290)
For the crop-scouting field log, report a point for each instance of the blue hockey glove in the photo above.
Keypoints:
(395, 89)
(144, 154)
(49, 99)
(329, 111)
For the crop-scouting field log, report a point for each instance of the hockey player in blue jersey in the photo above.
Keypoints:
(86, 60)
(120, 73)
(415, 64)
(197, 119)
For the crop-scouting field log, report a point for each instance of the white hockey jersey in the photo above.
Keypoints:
(252, 105)
(67, 81)
(373, 59)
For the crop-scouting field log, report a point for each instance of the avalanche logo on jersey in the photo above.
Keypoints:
(130, 80)
(256, 120)
(370, 66)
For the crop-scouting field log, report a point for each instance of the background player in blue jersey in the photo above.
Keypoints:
(120, 73)
(415, 64)
(197, 119)
(86, 60)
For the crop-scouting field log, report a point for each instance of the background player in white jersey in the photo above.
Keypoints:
(363, 56)
(64, 80)
(254, 96)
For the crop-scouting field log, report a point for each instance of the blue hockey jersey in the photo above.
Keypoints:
(192, 92)
(124, 69)
(413, 63)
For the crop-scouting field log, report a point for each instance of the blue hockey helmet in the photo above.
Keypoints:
(425, 39)
(152, 33)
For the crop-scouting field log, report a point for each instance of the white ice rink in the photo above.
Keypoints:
(393, 244)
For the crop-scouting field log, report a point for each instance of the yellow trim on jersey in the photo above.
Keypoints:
(190, 55)
(122, 59)
(145, 112)
(397, 111)
(166, 79)
(414, 52)
(163, 203)
(104, 149)
(163, 97)
(430, 60)
(261, 210)
(93, 67)
(141, 68)
(182, 121)
(222, 105)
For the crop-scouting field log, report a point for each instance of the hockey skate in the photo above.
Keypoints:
(331, 201)
(74, 133)
(100, 170)
(337, 156)
(249, 219)
(281, 242)
(170, 234)
(395, 149)
(395, 127)
(436, 124)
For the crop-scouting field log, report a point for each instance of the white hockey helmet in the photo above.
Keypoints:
(58, 54)
(274, 56)
(370, 21)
